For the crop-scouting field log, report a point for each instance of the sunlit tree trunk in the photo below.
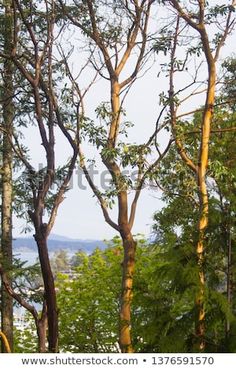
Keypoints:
(5, 342)
(202, 186)
(134, 40)
(129, 246)
(200, 169)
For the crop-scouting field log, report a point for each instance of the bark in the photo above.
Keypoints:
(6, 212)
(136, 34)
(202, 187)
(201, 168)
(41, 333)
(5, 342)
(129, 245)
(125, 340)
(50, 293)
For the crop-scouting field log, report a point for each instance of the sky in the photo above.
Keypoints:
(80, 216)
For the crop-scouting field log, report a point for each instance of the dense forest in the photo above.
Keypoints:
(70, 70)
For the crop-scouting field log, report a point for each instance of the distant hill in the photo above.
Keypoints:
(56, 243)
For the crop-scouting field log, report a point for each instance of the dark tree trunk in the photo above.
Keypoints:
(50, 293)
(42, 332)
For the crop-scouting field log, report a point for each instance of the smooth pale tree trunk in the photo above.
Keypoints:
(5, 342)
(129, 245)
(6, 211)
(202, 190)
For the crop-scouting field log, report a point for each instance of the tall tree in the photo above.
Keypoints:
(7, 92)
(118, 34)
(176, 222)
(196, 17)
(32, 55)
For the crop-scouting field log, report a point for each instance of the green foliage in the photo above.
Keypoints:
(25, 339)
(88, 301)
(229, 88)
(162, 309)
(96, 134)
(175, 227)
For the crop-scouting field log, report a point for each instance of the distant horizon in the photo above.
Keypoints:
(56, 237)
(61, 238)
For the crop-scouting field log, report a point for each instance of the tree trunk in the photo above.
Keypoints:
(5, 342)
(6, 211)
(50, 293)
(203, 221)
(200, 319)
(42, 332)
(125, 341)
(202, 187)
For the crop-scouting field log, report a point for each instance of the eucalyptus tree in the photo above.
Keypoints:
(32, 54)
(195, 35)
(118, 35)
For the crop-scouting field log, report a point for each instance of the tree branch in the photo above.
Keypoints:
(141, 182)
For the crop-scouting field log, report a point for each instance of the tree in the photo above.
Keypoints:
(7, 92)
(32, 56)
(176, 233)
(197, 17)
(5, 342)
(118, 37)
